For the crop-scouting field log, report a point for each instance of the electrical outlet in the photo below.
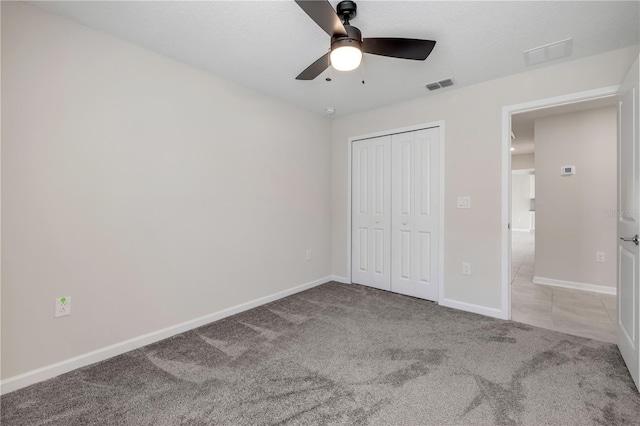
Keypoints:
(63, 307)
(600, 258)
(308, 255)
(466, 268)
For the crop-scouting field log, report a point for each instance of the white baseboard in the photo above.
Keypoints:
(339, 279)
(476, 309)
(34, 376)
(575, 285)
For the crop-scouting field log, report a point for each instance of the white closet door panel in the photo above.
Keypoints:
(427, 193)
(406, 179)
(424, 255)
(363, 180)
(414, 218)
(363, 250)
(380, 178)
(402, 200)
(380, 173)
(423, 185)
(380, 262)
(360, 211)
(371, 212)
(405, 255)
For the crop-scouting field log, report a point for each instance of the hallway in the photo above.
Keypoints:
(570, 311)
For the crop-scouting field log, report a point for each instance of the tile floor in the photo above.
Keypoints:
(576, 312)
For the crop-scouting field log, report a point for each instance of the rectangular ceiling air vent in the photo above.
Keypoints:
(548, 52)
(440, 84)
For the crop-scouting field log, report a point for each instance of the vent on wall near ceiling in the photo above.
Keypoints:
(440, 84)
(548, 52)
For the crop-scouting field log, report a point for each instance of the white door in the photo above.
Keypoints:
(414, 213)
(628, 229)
(371, 212)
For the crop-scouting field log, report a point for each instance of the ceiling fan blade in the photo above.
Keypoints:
(323, 14)
(315, 69)
(404, 48)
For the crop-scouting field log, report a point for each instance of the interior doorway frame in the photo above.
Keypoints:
(440, 125)
(507, 112)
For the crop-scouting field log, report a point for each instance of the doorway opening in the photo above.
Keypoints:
(561, 183)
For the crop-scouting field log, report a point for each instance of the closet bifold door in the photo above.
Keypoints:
(371, 212)
(415, 210)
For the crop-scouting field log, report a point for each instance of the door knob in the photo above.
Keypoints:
(378, 221)
(404, 222)
(632, 239)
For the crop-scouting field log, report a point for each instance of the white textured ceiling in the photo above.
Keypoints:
(265, 44)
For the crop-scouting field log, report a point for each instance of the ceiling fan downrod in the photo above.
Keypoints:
(347, 9)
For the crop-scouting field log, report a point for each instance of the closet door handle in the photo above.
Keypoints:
(404, 222)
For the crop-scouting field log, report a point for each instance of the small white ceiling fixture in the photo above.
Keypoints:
(548, 52)
(330, 110)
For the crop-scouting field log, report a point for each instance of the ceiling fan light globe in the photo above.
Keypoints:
(346, 58)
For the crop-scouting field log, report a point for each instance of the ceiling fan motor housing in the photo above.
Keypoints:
(347, 9)
(353, 38)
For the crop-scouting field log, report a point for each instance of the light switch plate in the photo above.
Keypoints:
(464, 202)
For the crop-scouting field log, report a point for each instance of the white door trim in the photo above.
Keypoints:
(440, 125)
(507, 111)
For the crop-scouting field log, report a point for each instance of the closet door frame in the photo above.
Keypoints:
(440, 126)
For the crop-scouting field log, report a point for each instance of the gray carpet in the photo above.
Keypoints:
(344, 354)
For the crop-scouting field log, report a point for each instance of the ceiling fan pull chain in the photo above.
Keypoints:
(363, 69)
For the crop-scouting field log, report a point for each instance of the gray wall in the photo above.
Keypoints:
(572, 223)
(150, 192)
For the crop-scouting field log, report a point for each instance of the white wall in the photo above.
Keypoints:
(150, 192)
(521, 201)
(572, 223)
(522, 161)
(472, 144)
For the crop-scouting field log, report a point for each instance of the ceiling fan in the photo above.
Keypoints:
(347, 44)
